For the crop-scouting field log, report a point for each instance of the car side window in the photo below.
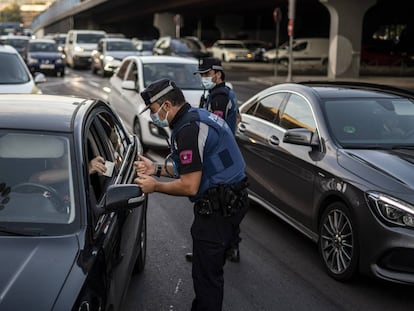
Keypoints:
(300, 47)
(108, 140)
(132, 73)
(268, 108)
(122, 70)
(298, 114)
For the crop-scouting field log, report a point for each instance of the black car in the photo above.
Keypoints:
(72, 240)
(336, 161)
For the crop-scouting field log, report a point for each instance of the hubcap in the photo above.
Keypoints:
(337, 241)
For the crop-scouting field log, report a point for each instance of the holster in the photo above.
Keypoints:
(227, 199)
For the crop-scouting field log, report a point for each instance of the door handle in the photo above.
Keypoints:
(242, 127)
(274, 140)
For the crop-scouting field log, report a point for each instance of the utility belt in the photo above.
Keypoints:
(225, 199)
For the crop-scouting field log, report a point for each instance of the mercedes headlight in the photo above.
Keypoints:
(392, 210)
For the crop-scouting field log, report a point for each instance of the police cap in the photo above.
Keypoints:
(155, 91)
(208, 63)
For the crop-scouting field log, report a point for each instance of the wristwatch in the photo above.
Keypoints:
(158, 170)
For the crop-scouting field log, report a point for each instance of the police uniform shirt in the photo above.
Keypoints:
(189, 147)
(219, 104)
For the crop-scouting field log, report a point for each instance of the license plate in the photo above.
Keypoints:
(47, 66)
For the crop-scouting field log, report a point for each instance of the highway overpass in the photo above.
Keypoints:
(346, 22)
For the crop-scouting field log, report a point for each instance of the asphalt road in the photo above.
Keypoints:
(279, 269)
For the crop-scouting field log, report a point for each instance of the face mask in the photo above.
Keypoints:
(156, 119)
(208, 83)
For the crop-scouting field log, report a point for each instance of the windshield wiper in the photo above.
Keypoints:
(19, 232)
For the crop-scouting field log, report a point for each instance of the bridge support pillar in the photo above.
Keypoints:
(345, 36)
(164, 22)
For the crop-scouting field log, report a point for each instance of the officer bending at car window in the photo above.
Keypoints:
(222, 101)
(208, 167)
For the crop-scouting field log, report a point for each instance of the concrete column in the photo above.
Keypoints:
(229, 25)
(164, 22)
(345, 36)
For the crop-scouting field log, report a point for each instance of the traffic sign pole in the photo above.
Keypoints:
(290, 34)
(277, 16)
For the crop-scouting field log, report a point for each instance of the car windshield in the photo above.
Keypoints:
(182, 74)
(13, 70)
(89, 37)
(17, 43)
(233, 46)
(36, 182)
(181, 46)
(120, 46)
(371, 122)
(42, 47)
(60, 40)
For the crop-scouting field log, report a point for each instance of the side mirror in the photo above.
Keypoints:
(122, 197)
(301, 136)
(39, 77)
(128, 85)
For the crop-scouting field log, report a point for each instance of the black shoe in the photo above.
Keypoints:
(233, 254)
(189, 257)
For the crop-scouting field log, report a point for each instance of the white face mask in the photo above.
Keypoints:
(156, 118)
(208, 82)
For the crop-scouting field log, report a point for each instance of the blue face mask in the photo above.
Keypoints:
(156, 119)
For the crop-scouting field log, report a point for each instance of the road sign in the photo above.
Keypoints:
(277, 15)
(290, 27)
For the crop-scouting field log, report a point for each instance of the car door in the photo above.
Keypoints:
(116, 97)
(292, 168)
(116, 234)
(258, 120)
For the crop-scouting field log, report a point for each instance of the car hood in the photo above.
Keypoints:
(396, 166)
(47, 55)
(122, 54)
(25, 88)
(33, 270)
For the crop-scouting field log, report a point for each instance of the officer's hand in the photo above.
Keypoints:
(147, 183)
(144, 166)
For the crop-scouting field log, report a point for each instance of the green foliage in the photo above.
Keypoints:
(11, 13)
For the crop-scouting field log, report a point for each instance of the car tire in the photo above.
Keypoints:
(142, 247)
(338, 242)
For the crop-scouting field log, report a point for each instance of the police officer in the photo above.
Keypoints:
(208, 168)
(221, 100)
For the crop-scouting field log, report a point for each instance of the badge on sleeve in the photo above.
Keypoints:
(186, 156)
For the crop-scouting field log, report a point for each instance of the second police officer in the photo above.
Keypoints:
(220, 100)
(208, 167)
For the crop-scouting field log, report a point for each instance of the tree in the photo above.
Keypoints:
(11, 13)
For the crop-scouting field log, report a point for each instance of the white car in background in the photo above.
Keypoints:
(305, 51)
(15, 77)
(134, 75)
(230, 50)
(110, 53)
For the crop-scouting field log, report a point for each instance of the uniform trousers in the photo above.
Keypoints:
(212, 236)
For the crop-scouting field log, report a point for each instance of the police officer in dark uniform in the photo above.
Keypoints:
(221, 100)
(208, 167)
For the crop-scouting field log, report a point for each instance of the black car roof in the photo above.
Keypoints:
(41, 112)
(340, 89)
